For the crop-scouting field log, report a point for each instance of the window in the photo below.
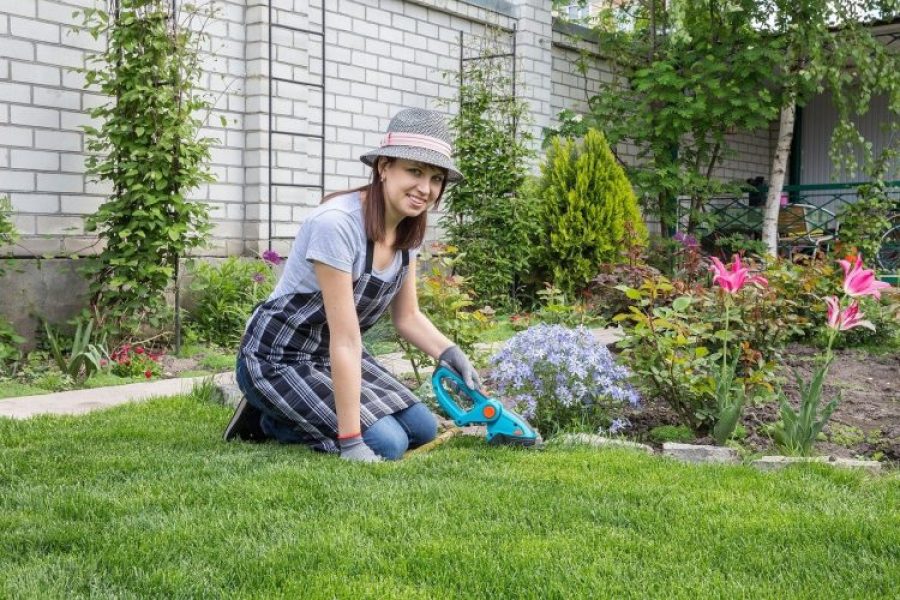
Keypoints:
(574, 12)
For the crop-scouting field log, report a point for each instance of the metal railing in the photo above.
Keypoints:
(808, 210)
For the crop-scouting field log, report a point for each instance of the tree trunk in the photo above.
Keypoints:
(776, 178)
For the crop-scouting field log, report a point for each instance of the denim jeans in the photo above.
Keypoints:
(389, 436)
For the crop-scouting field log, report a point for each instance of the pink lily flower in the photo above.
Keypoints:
(859, 281)
(844, 320)
(733, 279)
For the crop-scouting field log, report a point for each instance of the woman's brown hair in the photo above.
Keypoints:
(410, 231)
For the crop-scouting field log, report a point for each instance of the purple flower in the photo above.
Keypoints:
(686, 240)
(619, 425)
(553, 364)
(259, 277)
(272, 257)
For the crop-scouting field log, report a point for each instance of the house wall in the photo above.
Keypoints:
(819, 119)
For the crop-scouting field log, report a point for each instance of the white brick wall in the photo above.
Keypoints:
(382, 55)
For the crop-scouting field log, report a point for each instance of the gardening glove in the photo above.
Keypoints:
(356, 449)
(454, 358)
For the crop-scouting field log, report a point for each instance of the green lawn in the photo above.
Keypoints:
(146, 501)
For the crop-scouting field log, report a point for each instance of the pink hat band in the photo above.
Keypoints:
(417, 141)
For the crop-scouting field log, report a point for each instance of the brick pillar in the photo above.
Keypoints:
(534, 36)
(256, 122)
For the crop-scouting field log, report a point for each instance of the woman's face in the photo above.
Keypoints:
(410, 187)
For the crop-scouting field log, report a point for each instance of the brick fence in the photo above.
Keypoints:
(379, 56)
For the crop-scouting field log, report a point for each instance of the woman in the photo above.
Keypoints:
(302, 368)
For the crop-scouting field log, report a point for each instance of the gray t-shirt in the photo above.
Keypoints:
(334, 235)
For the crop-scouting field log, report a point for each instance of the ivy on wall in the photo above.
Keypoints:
(148, 147)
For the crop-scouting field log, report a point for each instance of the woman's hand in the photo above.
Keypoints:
(454, 358)
(355, 449)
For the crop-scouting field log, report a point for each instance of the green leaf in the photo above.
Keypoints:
(681, 303)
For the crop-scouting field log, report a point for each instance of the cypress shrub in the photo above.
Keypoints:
(586, 200)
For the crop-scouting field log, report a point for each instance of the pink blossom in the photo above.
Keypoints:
(733, 279)
(843, 320)
(859, 281)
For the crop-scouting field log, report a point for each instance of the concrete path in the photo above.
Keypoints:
(78, 402)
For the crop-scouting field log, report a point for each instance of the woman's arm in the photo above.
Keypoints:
(411, 324)
(345, 347)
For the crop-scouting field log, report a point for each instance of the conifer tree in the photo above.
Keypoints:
(586, 200)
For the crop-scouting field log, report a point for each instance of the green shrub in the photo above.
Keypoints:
(586, 201)
(672, 433)
(488, 213)
(663, 347)
(864, 222)
(224, 295)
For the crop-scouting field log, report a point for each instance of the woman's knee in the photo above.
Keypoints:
(419, 423)
(387, 438)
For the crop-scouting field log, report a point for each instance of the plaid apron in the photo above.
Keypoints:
(286, 352)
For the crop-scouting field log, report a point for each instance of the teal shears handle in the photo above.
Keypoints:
(484, 409)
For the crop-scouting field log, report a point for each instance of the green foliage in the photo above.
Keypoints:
(10, 341)
(738, 243)
(798, 429)
(605, 296)
(149, 149)
(761, 323)
(84, 358)
(488, 213)
(684, 76)
(447, 301)
(218, 362)
(663, 348)
(796, 293)
(586, 204)
(730, 395)
(672, 433)
(555, 309)
(847, 436)
(677, 338)
(224, 295)
(865, 221)
(381, 338)
(8, 233)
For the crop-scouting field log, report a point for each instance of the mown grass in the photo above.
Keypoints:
(146, 501)
(14, 389)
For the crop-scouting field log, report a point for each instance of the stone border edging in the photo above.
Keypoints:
(705, 454)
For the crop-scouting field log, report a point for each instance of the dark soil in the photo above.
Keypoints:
(865, 424)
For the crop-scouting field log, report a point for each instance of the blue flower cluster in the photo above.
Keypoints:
(551, 363)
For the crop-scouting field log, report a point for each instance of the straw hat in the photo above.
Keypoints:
(417, 134)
